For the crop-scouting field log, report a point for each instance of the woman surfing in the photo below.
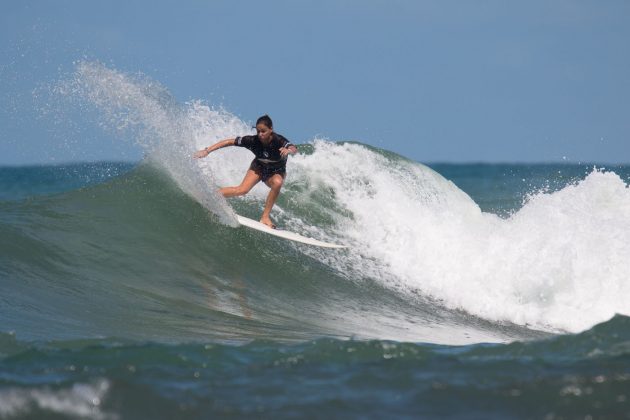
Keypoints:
(269, 165)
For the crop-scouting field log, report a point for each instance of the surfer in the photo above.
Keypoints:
(271, 151)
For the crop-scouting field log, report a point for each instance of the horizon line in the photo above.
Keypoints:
(428, 163)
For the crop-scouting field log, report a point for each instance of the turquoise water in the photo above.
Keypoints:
(122, 297)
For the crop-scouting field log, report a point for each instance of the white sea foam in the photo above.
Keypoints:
(78, 401)
(562, 262)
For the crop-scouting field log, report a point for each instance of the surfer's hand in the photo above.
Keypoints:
(201, 154)
(286, 151)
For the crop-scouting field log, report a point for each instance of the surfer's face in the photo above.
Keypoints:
(264, 132)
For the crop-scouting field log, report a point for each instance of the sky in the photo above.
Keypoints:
(435, 81)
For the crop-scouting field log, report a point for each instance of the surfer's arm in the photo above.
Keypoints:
(206, 151)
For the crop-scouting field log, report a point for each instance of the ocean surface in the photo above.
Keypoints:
(127, 290)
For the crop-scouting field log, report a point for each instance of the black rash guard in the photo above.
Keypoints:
(267, 157)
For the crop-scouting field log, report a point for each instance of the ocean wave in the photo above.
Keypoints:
(154, 253)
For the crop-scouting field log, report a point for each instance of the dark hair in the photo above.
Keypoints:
(265, 120)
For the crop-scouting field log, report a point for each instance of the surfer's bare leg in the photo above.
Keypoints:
(251, 179)
(275, 184)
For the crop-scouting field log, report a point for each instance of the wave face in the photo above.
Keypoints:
(153, 254)
(136, 257)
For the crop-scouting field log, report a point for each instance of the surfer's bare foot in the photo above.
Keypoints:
(267, 221)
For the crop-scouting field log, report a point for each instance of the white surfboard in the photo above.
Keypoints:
(285, 233)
